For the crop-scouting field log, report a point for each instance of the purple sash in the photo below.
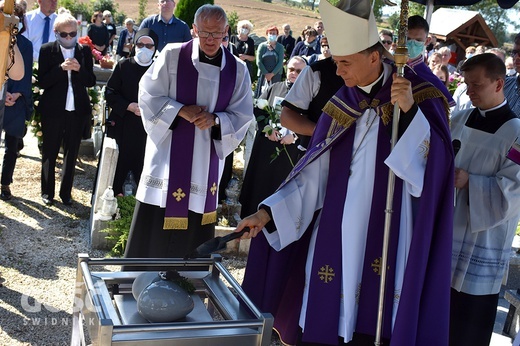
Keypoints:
(183, 137)
(326, 273)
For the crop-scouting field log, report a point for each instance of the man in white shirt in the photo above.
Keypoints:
(40, 24)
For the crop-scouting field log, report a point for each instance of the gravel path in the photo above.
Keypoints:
(38, 254)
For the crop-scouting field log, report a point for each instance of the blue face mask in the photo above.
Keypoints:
(415, 48)
(271, 38)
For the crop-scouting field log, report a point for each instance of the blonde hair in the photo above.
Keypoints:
(244, 22)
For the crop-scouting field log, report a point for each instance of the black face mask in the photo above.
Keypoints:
(429, 47)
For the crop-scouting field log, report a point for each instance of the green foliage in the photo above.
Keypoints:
(142, 10)
(119, 228)
(233, 19)
(76, 8)
(497, 18)
(186, 9)
(103, 5)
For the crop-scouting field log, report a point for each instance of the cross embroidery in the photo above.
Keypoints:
(178, 194)
(326, 274)
(376, 266)
(213, 189)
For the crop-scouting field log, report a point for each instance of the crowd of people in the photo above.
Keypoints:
(314, 197)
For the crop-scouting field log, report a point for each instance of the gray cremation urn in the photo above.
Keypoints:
(142, 281)
(164, 301)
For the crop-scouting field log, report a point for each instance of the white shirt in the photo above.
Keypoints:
(69, 104)
(35, 21)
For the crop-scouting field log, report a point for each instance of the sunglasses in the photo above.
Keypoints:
(292, 69)
(71, 34)
(325, 45)
(386, 42)
(147, 45)
(515, 52)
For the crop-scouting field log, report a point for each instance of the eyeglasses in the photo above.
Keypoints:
(292, 69)
(147, 45)
(217, 35)
(225, 38)
(325, 45)
(386, 42)
(515, 52)
(71, 34)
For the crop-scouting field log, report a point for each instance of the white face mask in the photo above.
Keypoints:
(144, 55)
(511, 72)
(244, 31)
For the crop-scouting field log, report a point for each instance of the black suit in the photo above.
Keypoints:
(58, 125)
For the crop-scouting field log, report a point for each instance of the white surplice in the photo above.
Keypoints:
(293, 206)
(159, 108)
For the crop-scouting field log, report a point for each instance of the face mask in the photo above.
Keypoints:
(271, 38)
(144, 55)
(244, 31)
(68, 42)
(20, 26)
(469, 55)
(511, 72)
(415, 48)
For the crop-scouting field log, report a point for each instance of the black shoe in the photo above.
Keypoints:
(47, 201)
(5, 193)
(66, 201)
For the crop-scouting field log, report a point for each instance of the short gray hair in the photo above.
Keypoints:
(207, 11)
(65, 19)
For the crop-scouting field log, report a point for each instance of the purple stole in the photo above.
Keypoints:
(325, 279)
(183, 140)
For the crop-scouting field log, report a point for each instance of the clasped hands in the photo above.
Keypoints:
(70, 64)
(10, 98)
(198, 116)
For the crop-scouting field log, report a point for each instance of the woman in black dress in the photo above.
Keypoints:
(121, 96)
(98, 32)
(245, 44)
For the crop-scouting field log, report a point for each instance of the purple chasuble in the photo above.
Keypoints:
(423, 314)
(183, 141)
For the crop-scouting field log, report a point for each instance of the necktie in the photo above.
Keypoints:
(45, 37)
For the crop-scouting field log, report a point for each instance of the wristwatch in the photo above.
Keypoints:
(217, 120)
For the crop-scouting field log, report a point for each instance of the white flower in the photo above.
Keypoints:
(262, 103)
(33, 80)
(33, 123)
(36, 90)
(41, 91)
(36, 103)
(39, 133)
(94, 112)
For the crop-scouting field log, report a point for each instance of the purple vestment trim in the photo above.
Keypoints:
(183, 137)
(423, 314)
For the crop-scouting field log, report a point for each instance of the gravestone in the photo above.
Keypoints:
(104, 179)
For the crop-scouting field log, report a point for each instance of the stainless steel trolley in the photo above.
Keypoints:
(105, 308)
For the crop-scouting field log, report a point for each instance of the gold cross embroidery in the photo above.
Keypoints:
(376, 266)
(326, 274)
(178, 194)
(213, 189)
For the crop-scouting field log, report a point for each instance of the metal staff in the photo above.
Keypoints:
(8, 31)
(401, 57)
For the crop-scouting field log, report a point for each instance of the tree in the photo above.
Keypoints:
(497, 18)
(142, 10)
(232, 21)
(186, 9)
(76, 8)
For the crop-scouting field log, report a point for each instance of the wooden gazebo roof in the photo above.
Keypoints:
(463, 27)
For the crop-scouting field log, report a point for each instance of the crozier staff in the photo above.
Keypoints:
(330, 210)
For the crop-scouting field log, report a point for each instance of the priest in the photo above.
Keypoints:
(331, 208)
(196, 106)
